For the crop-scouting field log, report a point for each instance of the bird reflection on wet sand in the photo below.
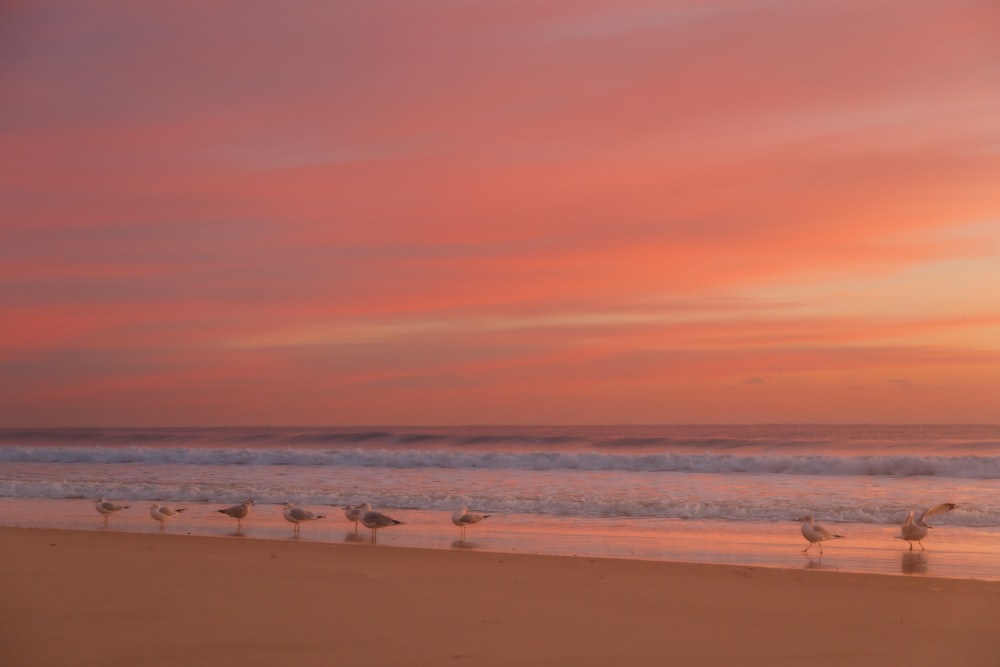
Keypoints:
(914, 562)
(814, 563)
(462, 544)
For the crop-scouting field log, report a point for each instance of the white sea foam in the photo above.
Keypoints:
(862, 475)
(690, 497)
(962, 467)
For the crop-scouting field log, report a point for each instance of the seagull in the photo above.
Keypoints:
(815, 533)
(107, 508)
(374, 520)
(917, 530)
(297, 516)
(162, 513)
(238, 512)
(353, 512)
(463, 517)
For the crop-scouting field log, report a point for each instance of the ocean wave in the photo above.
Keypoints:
(968, 467)
(789, 440)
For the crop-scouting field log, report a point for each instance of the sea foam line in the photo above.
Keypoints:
(967, 467)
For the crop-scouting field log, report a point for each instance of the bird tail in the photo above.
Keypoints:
(183, 509)
(397, 523)
(839, 537)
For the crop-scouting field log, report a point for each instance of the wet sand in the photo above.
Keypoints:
(955, 552)
(116, 598)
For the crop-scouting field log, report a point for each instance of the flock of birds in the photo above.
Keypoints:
(912, 530)
(360, 515)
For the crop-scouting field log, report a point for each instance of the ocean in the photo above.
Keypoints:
(716, 494)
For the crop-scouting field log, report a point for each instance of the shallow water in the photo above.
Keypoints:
(951, 552)
(723, 494)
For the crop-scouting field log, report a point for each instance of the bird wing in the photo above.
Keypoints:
(301, 514)
(937, 509)
(379, 519)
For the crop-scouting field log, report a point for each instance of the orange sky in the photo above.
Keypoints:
(501, 211)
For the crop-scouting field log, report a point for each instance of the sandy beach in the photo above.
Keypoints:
(114, 598)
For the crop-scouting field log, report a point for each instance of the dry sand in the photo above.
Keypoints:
(107, 598)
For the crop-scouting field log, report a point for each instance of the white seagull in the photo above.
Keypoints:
(107, 508)
(162, 513)
(462, 517)
(914, 531)
(353, 513)
(238, 512)
(297, 516)
(815, 533)
(374, 520)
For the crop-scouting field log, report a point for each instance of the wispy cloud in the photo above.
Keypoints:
(764, 211)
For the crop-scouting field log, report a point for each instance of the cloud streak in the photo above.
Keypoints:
(499, 212)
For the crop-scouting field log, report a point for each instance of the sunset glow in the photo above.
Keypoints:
(499, 212)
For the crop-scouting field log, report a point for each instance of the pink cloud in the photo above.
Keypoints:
(390, 210)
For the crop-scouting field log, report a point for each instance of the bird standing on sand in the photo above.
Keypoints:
(374, 520)
(353, 513)
(107, 508)
(815, 533)
(297, 516)
(462, 517)
(162, 513)
(238, 512)
(914, 531)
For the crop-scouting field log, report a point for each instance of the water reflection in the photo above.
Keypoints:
(462, 544)
(814, 562)
(354, 537)
(914, 562)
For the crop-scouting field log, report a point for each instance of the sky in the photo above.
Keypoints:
(499, 212)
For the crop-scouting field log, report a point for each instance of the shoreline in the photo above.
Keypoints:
(952, 552)
(123, 598)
